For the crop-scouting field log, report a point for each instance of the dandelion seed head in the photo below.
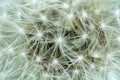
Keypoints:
(86, 26)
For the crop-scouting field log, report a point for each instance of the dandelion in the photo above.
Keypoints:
(59, 40)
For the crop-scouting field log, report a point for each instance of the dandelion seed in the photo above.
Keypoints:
(84, 36)
(43, 18)
(76, 72)
(38, 59)
(92, 66)
(103, 26)
(11, 50)
(96, 55)
(18, 14)
(59, 40)
(117, 13)
(80, 58)
(102, 68)
(39, 34)
(23, 54)
(55, 62)
(84, 14)
(21, 31)
(46, 75)
(70, 16)
(97, 11)
(118, 39)
(65, 5)
(110, 55)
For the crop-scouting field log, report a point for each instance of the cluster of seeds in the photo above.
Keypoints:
(63, 39)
